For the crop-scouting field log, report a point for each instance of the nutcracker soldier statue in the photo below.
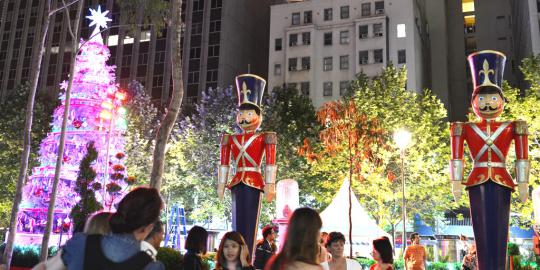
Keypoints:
(247, 150)
(489, 184)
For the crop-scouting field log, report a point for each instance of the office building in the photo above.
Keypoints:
(319, 46)
(221, 39)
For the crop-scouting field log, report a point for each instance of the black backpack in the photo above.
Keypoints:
(94, 259)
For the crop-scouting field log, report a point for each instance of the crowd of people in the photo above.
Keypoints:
(130, 238)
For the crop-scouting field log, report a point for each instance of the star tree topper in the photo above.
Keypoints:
(99, 19)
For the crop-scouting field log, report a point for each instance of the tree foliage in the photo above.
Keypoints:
(13, 118)
(292, 116)
(193, 157)
(142, 118)
(525, 105)
(86, 187)
(384, 101)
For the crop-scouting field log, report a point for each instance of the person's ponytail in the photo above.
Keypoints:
(137, 209)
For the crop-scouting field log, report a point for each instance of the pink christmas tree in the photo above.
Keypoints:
(95, 115)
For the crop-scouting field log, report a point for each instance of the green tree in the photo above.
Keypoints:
(293, 117)
(525, 105)
(385, 99)
(142, 118)
(13, 118)
(86, 187)
(349, 139)
(193, 156)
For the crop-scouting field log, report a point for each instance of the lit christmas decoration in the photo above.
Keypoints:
(98, 18)
(94, 88)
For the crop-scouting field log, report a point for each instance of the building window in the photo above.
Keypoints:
(306, 38)
(211, 76)
(293, 40)
(277, 69)
(216, 4)
(362, 31)
(377, 30)
(193, 77)
(366, 9)
(343, 85)
(363, 57)
(296, 18)
(327, 89)
(328, 14)
(379, 7)
(401, 57)
(308, 17)
(327, 63)
(401, 33)
(213, 50)
(378, 56)
(304, 88)
(344, 62)
(328, 39)
(278, 44)
(215, 26)
(292, 63)
(344, 37)
(344, 12)
(196, 28)
(306, 63)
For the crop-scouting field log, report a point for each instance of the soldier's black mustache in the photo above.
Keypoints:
(244, 122)
(488, 108)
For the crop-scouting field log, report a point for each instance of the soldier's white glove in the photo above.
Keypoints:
(269, 192)
(220, 191)
(456, 190)
(523, 189)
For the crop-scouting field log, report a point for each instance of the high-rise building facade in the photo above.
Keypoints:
(458, 28)
(221, 39)
(319, 46)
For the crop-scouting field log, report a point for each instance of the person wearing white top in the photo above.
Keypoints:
(335, 245)
(151, 243)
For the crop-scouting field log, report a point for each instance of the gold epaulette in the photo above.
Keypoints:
(456, 128)
(270, 138)
(520, 127)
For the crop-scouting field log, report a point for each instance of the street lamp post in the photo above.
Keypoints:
(403, 138)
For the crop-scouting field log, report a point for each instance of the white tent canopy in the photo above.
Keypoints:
(364, 229)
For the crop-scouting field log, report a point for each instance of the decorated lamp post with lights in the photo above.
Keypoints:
(92, 86)
(402, 138)
(287, 200)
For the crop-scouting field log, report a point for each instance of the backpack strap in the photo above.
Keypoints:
(93, 255)
(95, 259)
(137, 261)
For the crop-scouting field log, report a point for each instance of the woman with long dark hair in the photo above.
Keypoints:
(382, 254)
(301, 247)
(196, 247)
(233, 253)
(132, 222)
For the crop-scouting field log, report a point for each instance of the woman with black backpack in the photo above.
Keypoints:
(132, 222)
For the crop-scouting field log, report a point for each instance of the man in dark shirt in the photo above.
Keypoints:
(265, 248)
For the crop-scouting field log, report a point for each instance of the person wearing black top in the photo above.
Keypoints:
(264, 250)
(196, 247)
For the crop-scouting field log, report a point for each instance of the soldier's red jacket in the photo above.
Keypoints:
(247, 153)
(489, 142)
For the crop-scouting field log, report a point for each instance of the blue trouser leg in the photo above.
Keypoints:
(246, 205)
(490, 211)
